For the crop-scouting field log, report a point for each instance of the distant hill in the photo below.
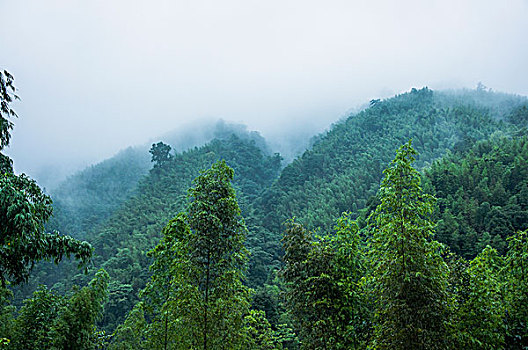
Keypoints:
(86, 199)
(126, 235)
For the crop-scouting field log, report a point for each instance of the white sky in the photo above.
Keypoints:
(96, 76)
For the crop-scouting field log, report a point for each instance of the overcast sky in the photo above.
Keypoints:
(97, 76)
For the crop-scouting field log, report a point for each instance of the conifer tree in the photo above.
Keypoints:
(409, 277)
(216, 252)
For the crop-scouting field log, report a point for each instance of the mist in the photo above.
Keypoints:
(95, 77)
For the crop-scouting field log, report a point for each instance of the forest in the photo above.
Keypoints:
(404, 226)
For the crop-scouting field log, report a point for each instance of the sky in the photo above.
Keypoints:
(96, 76)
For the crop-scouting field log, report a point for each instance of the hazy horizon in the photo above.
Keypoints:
(95, 77)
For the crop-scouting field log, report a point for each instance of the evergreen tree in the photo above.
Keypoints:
(409, 277)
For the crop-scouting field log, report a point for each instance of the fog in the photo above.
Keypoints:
(96, 76)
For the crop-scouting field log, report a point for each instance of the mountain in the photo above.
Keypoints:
(86, 199)
(123, 239)
(340, 172)
(343, 169)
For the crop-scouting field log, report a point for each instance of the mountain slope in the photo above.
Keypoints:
(122, 241)
(482, 195)
(86, 199)
(344, 167)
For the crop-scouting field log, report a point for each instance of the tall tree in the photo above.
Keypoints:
(217, 252)
(409, 277)
(196, 297)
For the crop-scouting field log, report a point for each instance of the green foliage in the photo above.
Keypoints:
(7, 95)
(86, 199)
(131, 335)
(6, 317)
(24, 209)
(516, 276)
(258, 332)
(415, 299)
(74, 327)
(132, 230)
(35, 320)
(482, 195)
(324, 292)
(343, 168)
(481, 311)
(409, 277)
(519, 116)
(50, 321)
(195, 297)
(160, 154)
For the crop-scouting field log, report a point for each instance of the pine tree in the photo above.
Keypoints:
(409, 277)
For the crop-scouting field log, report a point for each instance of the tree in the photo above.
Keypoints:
(516, 271)
(131, 334)
(160, 154)
(196, 297)
(164, 300)
(24, 209)
(35, 320)
(7, 95)
(218, 256)
(481, 310)
(74, 327)
(258, 332)
(51, 321)
(324, 291)
(409, 277)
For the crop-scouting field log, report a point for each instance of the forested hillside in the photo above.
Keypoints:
(323, 279)
(122, 242)
(343, 169)
(86, 199)
(482, 195)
